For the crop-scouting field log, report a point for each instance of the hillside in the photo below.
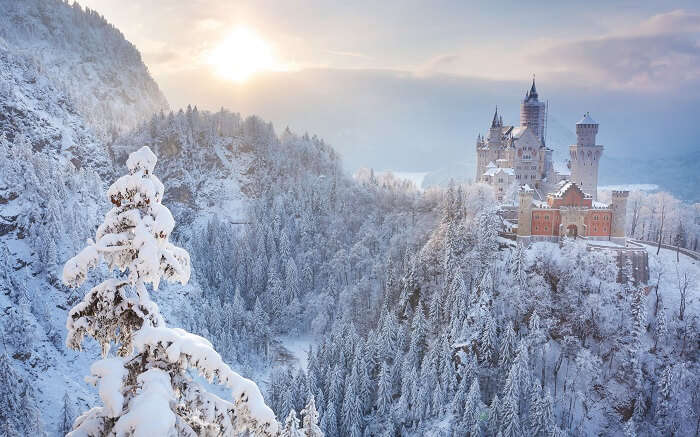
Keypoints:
(84, 57)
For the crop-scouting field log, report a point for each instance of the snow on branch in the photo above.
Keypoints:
(192, 351)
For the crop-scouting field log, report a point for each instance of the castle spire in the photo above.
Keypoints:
(494, 123)
(533, 90)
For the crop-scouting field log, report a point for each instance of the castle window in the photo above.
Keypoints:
(546, 217)
(537, 228)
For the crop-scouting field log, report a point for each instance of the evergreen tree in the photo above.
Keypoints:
(494, 418)
(134, 239)
(329, 422)
(385, 391)
(508, 346)
(661, 330)
(18, 413)
(67, 416)
(310, 421)
(291, 426)
(470, 419)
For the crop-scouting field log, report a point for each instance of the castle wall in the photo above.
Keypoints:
(545, 222)
(598, 223)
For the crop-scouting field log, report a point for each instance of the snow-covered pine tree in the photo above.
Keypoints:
(18, 413)
(67, 416)
(470, 419)
(329, 422)
(384, 391)
(310, 422)
(145, 386)
(291, 426)
(660, 330)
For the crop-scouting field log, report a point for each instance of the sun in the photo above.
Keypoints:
(242, 54)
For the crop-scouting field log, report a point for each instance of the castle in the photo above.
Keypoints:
(551, 204)
(510, 156)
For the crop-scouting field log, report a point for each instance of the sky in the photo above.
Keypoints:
(408, 85)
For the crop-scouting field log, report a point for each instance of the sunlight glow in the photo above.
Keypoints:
(242, 54)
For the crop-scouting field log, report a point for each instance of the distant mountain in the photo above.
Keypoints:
(679, 175)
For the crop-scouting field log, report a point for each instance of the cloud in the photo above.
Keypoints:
(442, 63)
(661, 53)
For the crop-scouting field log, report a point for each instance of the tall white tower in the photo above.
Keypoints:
(533, 112)
(585, 156)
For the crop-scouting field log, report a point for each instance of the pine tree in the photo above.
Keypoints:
(19, 415)
(661, 329)
(310, 421)
(384, 391)
(67, 416)
(494, 419)
(541, 413)
(134, 239)
(488, 339)
(518, 266)
(329, 422)
(291, 426)
(508, 346)
(510, 425)
(665, 394)
(473, 406)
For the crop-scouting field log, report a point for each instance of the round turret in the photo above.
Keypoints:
(586, 130)
(585, 156)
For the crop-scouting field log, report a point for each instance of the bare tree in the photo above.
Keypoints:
(684, 281)
(636, 209)
(661, 228)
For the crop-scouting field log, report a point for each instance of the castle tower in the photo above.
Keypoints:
(494, 137)
(585, 156)
(525, 194)
(533, 112)
(619, 216)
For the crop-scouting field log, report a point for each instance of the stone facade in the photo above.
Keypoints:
(585, 156)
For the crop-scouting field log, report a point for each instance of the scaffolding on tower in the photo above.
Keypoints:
(546, 117)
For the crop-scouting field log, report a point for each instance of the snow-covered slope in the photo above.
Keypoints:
(87, 58)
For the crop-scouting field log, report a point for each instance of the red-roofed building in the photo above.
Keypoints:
(569, 211)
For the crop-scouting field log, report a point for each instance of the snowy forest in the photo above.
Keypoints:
(205, 273)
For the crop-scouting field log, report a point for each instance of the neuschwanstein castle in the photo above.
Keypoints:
(551, 204)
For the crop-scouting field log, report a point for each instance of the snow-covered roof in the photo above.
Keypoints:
(586, 119)
(492, 171)
(526, 187)
(490, 165)
(564, 186)
(600, 205)
(540, 204)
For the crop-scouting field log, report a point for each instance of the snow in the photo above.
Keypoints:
(197, 352)
(75, 270)
(149, 411)
(666, 264)
(586, 119)
(494, 171)
(629, 187)
(109, 374)
(142, 159)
